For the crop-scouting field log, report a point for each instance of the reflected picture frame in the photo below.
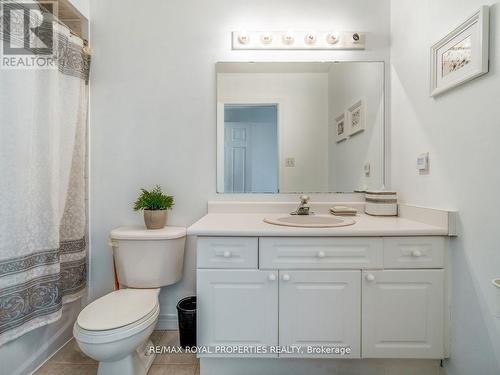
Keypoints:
(356, 117)
(340, 127)
(462, 54)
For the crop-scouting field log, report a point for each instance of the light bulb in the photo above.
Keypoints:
(310, 38)
(266, 38)
(243, 38)
(288, 38)
(332, 38)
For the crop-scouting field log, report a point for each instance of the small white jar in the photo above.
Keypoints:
(381, 203)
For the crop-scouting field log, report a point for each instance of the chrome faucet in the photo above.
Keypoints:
(303, 208)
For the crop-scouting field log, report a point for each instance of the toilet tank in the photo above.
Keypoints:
(148, 258)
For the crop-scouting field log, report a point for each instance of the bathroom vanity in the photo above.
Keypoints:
(375, 289)
(281, 294)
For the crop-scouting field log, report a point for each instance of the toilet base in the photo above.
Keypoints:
(136, 363)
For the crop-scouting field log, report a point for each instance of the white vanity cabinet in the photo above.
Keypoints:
(237, 307)
(383, 297)
(403, 314)
(319, 308)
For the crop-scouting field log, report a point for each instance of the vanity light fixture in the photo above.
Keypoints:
(293, 39)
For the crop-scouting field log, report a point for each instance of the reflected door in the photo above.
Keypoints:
(251, 148)
(237, 166)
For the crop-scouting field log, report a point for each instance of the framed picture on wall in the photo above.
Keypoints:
(461, 55)
(340, 128)
(356, 117)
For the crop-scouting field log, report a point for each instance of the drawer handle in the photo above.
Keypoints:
(272, 277)
(321, 254)
(370, 278)
(227, 254)
(416, 253)
(286, 277)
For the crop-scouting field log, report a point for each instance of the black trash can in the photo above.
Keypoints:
(186, 312)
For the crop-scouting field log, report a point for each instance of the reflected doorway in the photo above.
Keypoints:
(250, 148)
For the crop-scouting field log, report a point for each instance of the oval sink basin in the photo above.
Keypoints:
(310, 221)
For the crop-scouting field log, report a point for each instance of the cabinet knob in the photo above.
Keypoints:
(271, 277)
(286, 277)
(321, 254)
(416, 253)
(370, 277)
(227, 254)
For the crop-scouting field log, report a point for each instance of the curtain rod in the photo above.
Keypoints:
(60, 22)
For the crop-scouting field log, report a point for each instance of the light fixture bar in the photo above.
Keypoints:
(320, 40)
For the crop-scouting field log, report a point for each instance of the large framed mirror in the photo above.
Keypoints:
(292, 127)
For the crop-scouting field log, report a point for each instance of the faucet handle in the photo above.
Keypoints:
(304, 198)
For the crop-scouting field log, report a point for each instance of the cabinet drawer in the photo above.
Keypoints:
(320, 253)
(414, 252)
(227, 252)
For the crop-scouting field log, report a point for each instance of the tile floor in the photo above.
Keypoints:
(71, 361)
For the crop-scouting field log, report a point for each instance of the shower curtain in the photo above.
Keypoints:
(43, 116)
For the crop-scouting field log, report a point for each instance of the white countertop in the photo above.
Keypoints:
(252, 224)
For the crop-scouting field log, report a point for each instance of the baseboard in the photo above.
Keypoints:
(167, 322)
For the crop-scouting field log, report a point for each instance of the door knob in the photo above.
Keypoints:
(227, 254)
(271, 277)
(416, 253)
(370, 278)
(286, 277)
(321, 254)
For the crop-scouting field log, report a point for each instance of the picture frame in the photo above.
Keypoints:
(340, 128)
(356, 117)
(462, 55)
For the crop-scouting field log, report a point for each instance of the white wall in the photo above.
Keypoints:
(302, 100)
(348, 83)
(153, 104)
(461, 131)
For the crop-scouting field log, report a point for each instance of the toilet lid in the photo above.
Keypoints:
(141, 233)
(118, 309)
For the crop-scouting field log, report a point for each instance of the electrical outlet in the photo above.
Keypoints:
(290, 162)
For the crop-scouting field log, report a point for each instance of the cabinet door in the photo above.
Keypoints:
(320, 309)
(403, 314)
(237, 307)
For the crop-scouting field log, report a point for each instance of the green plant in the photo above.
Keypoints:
(153, 200)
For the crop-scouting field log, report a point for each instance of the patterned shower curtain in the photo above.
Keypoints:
(43, 115)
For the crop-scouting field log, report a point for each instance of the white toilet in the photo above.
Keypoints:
(115, 328)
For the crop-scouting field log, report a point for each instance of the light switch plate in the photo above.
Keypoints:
(423, 162)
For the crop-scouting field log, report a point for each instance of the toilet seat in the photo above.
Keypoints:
(117, 315)
(109, 336)
(118, 309)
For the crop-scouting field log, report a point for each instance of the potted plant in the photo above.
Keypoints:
(155, 204)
